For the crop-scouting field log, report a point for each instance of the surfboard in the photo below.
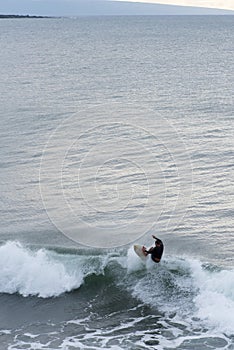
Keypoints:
(139, 251)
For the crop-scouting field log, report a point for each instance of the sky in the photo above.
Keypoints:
(219, 4)
(115, 7)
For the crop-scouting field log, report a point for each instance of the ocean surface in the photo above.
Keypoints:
(113, 129)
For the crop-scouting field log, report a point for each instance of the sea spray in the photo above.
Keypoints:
(215, 297)
(34, 273)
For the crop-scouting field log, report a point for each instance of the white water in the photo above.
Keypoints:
(215, 299)
(34, 273)
(212, 291)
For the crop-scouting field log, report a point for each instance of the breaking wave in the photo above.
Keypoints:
(184, 287)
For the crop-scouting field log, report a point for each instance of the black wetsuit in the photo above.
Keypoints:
(157, 251)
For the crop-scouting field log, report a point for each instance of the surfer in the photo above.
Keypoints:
(156, 251)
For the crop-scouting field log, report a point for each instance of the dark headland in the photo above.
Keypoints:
(22, 16)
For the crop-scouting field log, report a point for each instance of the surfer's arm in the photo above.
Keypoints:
(149, 251)
(157, 239)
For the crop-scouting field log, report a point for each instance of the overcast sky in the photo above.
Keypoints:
(117, 7)
(219, 4)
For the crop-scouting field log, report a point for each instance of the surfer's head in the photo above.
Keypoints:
(157, 242)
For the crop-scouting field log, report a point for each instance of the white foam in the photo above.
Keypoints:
(211, 291)
(215, 299)
(5, 331)
(134, 263)
(34, 273)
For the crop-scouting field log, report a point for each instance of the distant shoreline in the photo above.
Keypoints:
(23, 16)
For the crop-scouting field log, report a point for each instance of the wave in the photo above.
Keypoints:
(177, 286)
(45, 273)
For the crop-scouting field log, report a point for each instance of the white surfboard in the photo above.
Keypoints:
(139, 251)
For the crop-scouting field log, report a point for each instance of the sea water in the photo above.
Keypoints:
(114, 129)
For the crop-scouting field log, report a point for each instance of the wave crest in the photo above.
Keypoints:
(34, 273)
